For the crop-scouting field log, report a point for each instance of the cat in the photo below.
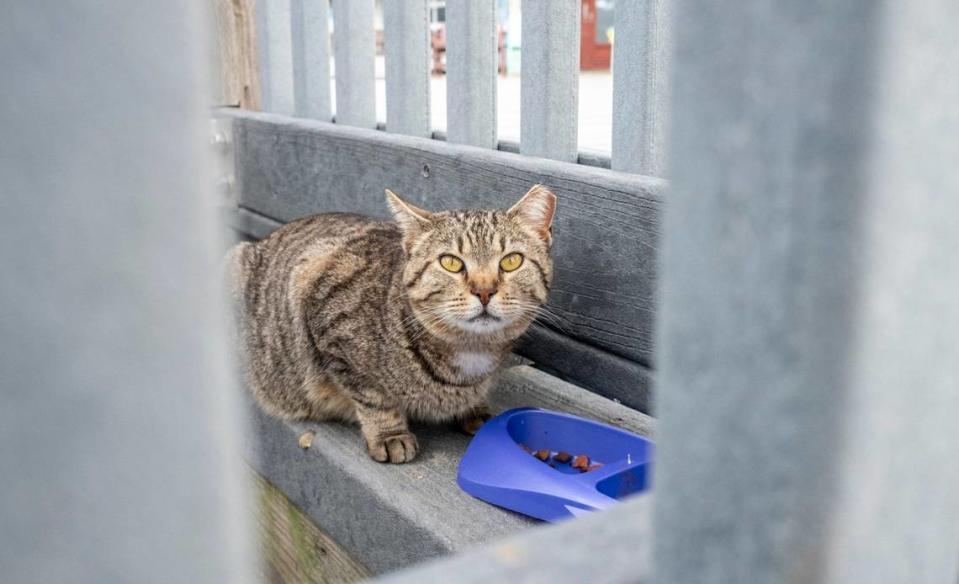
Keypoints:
(343, 317)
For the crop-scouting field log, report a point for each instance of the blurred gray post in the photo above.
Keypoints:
(471, 72)
(117, 427)
(550, 79)
(354, 51)
(406, 31)
(809, 389)
(641, 86)
(274, 44)
(310, 25)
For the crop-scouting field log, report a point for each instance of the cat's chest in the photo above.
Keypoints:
(474, 364)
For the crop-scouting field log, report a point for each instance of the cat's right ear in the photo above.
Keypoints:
(412, 219)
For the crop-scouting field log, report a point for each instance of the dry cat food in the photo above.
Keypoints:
(580, 462)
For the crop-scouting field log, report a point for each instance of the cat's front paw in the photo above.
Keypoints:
(472, 424)
(396, 449)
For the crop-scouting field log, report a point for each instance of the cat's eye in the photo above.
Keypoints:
(511, 262)
(451, 263)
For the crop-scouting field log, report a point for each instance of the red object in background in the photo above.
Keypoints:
(594, 47)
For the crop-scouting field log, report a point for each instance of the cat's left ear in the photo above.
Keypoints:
(412, 219)
(536, 210)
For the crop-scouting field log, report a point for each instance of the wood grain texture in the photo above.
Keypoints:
(293, 549)
(606, 227)
(237, 80)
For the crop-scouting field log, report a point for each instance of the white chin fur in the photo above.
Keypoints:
(481, 327)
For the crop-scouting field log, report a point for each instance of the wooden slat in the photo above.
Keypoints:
(238, 79)
(810, 369)
(471, 72)
(641, 86)
(407, 45)
(295, 550)
(311, 58)
(119, 431)
(550, 79)
(274, 45)
(354, 47)
(606, 225)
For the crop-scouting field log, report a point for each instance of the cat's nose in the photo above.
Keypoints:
(484, 294)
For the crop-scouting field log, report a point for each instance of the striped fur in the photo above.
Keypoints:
(346, 318)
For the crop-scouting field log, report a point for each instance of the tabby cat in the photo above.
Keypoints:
(348, 318)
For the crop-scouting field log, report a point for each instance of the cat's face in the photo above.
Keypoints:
(480, 274)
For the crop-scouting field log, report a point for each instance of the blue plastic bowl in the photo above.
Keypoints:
(498, 470)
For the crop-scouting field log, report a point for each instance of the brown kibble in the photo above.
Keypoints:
(542, 455)
(594, 467)
(563, 457)
(306, 439)
(581, 462)
(526, 448)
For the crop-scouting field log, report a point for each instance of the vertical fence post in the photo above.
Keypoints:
(550, 80)
(809, 359)
(354, 51)
(641, 86)
(471, 72)
(406, 30)
(237, 66)
(311, 58)
(118, 437)
(274, 45)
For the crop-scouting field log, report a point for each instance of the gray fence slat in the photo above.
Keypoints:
(641, 86)
(808, 385)
(275, 48)
(550, 80)
(310, 23)
(119, 428)
(471, 72)
(406, 31)
(354, 48)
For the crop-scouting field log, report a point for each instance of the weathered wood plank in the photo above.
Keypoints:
(471, 72)
(810, 369)
(606, 226)
(550, 80)
(354, 47)
(295, 550)
(118, 420)
(641, 86)
(407, 46)
(238, 82)
(310, 23)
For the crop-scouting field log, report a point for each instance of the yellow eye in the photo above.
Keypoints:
(451, 263)
(511, 262)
